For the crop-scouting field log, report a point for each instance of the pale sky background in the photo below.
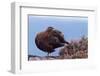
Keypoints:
(71, 27)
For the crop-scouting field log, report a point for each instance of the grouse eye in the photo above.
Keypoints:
(50, 28)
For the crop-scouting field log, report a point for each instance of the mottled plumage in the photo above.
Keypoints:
(49, 39)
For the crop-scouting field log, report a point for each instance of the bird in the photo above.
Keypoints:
(50, 39)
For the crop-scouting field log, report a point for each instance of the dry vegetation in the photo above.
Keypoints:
(76, 49)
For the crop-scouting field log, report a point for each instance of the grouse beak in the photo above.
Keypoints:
(67, 42)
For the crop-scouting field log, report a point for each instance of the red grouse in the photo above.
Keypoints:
(49, 40)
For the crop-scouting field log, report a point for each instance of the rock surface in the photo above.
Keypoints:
(42, 58)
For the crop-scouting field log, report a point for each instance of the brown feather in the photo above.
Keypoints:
(49, 39)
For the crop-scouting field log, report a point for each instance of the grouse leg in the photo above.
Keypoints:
(48, 55)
